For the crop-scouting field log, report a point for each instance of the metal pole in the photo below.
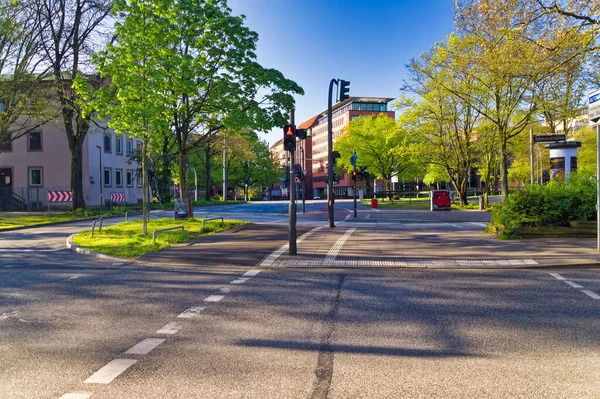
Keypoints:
(331, 196)
(598, 182)
(292, 239)
(100, 156)
(355, 214)
(531, 155)
(225, 172)
(195, 185)
(303, 179)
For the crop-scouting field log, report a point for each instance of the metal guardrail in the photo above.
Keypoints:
(208, 220)
(154, 233)
(94, 225)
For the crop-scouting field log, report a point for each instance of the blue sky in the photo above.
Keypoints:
(367, 42)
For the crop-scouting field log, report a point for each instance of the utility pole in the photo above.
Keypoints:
(225, 172)
(303, 178)
(531, 164)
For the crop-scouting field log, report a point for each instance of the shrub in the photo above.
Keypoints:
(554, 204)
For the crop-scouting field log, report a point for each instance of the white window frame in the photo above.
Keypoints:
(107, 182)
(41, 183)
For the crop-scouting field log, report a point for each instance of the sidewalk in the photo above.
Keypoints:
(344, 247)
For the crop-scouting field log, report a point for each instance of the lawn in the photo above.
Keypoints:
(125, 240)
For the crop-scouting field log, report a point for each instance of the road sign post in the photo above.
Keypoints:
(594, 120)
(353, 159)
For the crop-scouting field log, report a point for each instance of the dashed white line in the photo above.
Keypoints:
(117, 264)
(191, 312)
(572, 284)
(76, 395)
(169, 328)
(10, 266)
(74, 277)
(368, 217)
(111, 371)
(214, 298)
(591, 294)
(557, 276)
(224, 290)
(347, 217)
(240, 280)
(454, 225)
(251, 273)
(144, 347)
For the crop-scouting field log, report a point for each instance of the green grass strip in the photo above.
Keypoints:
(125, 240)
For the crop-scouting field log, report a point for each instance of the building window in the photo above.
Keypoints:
(6, 145)
(107, 148)
(35, 177)
(129, 179)
(119, 177)
(139, 178)
(35, 141)
(138, 146)
(2, 105)
(129, 148)
(107, 177)
(119, 145)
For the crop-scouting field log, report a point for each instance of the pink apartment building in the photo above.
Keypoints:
(38, 162)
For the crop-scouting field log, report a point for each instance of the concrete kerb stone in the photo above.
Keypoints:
(88, 252)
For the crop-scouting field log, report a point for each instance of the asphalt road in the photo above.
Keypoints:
(76, 327)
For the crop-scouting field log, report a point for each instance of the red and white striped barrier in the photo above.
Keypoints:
(59, 196)
(117, 197)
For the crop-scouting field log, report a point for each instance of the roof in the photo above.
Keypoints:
(308, 123)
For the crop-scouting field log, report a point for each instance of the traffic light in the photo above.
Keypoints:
(344, 89)
(301, 133)
(289, 138)
(354, 175)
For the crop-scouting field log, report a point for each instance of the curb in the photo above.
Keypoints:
(83, 251)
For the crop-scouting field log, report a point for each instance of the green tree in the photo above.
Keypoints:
(69, 30)
(381, 145)
(587, 154)
(136, 100)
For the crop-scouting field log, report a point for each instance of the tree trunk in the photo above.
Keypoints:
(75, 147)
(503, 171)
(182, 166)
(144, 186)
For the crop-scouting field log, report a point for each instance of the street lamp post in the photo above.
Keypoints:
(195, 184)
(100, 173)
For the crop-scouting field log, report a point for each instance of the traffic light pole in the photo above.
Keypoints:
(330, 160)
(303, 178)
(292, 209)
(355, 181)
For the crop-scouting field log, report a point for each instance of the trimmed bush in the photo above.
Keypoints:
(551, 205)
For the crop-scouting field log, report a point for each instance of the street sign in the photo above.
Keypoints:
(353, 159)
(549, 138)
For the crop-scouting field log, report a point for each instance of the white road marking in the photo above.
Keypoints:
(169, 328)
(30, 250)
(224, 290)
(368, 217)
(117, 264)
(74, 277)
(557, 276)
(454, 225)
(111, 371)
(479, 224)
(76, 395)
(454, 263)
(331, 255)
(214, 298)
(271, 258)
(591, 294)
(572, 284)
(347, 217)
(10, 266)
(144, 347)
(191, 312)
(240, 280)
(5, 316)
(251, 273)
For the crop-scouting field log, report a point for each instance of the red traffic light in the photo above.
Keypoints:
(288, 131)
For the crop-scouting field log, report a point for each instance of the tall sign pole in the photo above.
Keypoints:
(593, 113)
(531, 155)
(355, 178)
(330, 160)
